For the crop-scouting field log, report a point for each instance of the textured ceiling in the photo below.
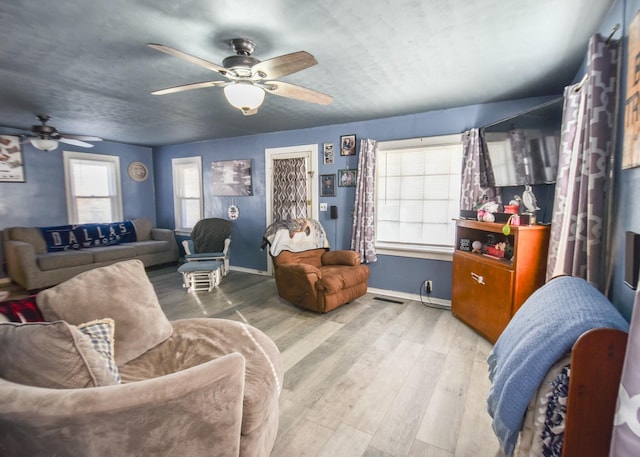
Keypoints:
(85, 62)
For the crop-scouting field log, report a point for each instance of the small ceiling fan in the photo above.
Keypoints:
(46, 137)
(249, 78)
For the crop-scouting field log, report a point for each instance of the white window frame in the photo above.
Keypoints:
(113, 164)
(422, 250)
(176, 166)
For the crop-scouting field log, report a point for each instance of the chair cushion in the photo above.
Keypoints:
(150, 247)
(195, 341)
(51, 354)
(335, 277)
(64, 259)
(110, 253)
(121, 291)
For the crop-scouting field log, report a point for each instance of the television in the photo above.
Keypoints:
(524, 148)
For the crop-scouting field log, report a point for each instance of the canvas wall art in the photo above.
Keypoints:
(232, 178)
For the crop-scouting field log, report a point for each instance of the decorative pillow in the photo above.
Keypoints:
(121, 291)
(101, 333)
(31, 235)
(51, 354)
(143, 228)
(21, 310)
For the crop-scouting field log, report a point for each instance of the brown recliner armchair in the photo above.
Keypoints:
(318, 279)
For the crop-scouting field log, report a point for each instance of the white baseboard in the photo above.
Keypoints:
(408, 296)
(389, 293)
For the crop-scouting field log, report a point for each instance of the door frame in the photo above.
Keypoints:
(307, 151)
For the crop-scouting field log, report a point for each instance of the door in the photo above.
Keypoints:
(304, 159)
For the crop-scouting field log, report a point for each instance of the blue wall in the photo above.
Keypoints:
(390, 272)
(628, 181)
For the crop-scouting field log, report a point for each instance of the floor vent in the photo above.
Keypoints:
(388, 300)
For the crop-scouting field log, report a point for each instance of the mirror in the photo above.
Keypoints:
(524, 148)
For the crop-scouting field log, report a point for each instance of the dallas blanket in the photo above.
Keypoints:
(543, 330)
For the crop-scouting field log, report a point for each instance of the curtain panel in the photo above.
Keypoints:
(584, 185)
(363, 230)
(477, 174)
(289, 189)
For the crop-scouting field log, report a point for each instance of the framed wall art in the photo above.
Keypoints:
(328, 185)
(232, 178)
(328, 153)
(348, 145)
(11, 163)
(347, 178)
(138, 171)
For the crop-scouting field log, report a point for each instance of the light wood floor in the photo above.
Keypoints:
(372, 378)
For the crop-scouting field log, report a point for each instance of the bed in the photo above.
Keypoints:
(555, 373)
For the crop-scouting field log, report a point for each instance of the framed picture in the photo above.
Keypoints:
(631, 141)
(328, 153)
(328, 185)
(232, 178)
(11, 163)
(348, 145)
(347, 178)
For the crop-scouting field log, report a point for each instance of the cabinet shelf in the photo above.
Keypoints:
(487, 290)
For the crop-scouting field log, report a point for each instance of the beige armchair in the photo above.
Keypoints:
(192, 387)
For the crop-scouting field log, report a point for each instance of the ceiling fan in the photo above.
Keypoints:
(46, 137)
(249, 78)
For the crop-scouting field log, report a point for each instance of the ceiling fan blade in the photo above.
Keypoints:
(189, 58)
(75, 142)
(171, 90)
(284, 65)
(81, 137)
(298, 92)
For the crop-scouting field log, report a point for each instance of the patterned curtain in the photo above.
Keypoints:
(289, 189)
(519, 154)
(477, 173)
(363, 231)
(580, 222)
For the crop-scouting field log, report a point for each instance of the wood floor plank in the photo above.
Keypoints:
(374, 403)
(441, 423)
(422, 449)
(397, 430)
(345, 441)
(313, 339)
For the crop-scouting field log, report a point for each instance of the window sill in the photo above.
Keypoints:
(182, 232)
(418, 252)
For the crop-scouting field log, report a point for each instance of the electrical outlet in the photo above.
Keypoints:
(428, 286)
(323, 206)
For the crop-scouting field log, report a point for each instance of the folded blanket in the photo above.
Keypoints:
(295, 235)
(543, 330)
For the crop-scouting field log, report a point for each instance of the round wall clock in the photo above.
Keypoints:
(138, 171)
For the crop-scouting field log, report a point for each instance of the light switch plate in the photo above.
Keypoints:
(323, 206)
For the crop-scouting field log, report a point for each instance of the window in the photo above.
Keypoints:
(187, 192)
(418, 196)
(92, 187)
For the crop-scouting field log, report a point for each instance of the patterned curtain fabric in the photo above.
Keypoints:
(477, 174)
(519, 152)
(580, 224)
(363, 231)
(289, 189)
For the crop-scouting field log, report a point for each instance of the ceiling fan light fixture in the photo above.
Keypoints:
(44, 144)
(244, 96)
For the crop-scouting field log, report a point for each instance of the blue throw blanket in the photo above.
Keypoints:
(543, 330)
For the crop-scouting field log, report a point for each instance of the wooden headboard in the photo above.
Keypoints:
(596, 367)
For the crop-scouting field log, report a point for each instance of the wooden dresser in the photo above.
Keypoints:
(487, 290)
